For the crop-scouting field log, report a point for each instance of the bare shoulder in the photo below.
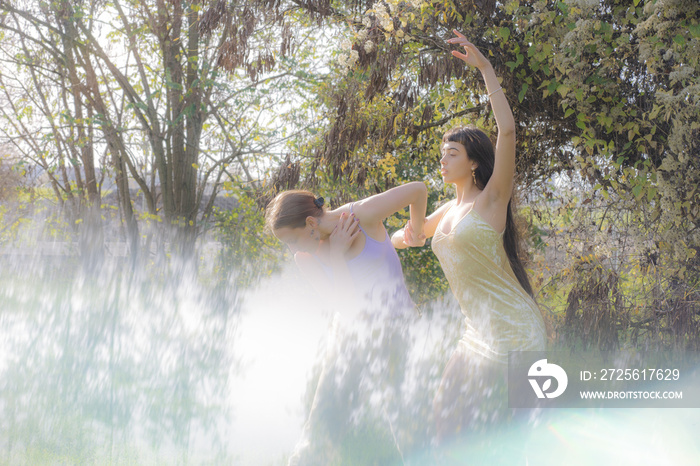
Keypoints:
(364, 211)
(440, 211)
(372, 223)
(432, 220)
(446, 206)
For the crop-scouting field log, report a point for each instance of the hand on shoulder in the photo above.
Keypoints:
(343, 235)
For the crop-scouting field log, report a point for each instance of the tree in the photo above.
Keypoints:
(186, 79)
(48, 122)
(604, 95)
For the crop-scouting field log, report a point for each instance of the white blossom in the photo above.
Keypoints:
(586, 4)
(362, 35)
(354, 56)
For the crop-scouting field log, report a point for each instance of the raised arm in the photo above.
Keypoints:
(499, 188)
(374, 209)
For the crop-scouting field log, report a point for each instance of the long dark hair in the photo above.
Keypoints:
(480, 149)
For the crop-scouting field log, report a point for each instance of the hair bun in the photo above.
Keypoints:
(319, 202)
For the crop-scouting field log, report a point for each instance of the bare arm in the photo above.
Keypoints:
(429, 227)
(373, 210)
(499, 188)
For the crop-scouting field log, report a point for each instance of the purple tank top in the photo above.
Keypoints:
(378, 276)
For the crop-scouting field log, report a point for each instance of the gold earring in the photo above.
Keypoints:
(474, 175)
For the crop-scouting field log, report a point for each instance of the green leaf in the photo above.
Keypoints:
(654, 111)
(637, 191)
(651, 193)
(504, 33)
(694, 30)
(521, 94)
(679, 39)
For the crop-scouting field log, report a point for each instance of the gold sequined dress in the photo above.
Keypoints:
(499, 315)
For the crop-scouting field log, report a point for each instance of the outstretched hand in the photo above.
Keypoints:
(471, 55)
(343, 235)
(411, 238)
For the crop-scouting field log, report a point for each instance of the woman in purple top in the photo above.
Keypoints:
(348, 257)
(346, 252)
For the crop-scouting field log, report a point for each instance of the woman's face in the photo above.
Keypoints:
(299, 239)
(455, 166)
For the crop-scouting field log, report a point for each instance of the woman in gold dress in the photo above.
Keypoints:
(475, 239)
